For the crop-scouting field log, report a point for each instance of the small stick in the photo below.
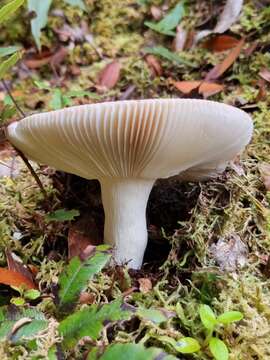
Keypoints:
(19, 152)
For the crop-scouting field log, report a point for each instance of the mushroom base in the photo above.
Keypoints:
(124, 202)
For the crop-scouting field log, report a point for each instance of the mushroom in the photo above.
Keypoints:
(127, 145)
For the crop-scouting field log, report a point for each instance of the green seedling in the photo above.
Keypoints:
(25, 296)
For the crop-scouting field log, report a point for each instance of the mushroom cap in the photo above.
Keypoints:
(147, 139)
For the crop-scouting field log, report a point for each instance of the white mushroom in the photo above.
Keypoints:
(127, 145)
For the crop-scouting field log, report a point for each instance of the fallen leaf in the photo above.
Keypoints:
(14, 278)
(264, 169)
(230, 253)
(110, 75)
(180, 39)
(205, 88)
(156, 12)
(227, 18)
(86, 298)
(82, 234)
(220, 43)
(220, 69)
(154, 65)
(265, 74)
(145, 285)
(16, 264)
(39, 60)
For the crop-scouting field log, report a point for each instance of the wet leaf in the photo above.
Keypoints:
(62, 215)
(41, 9)
(220, 69)
(170, 21)
(110, 75)
(208, 317)
(90, 321)
(131, 352)
(218, 349)
(76, 276)
(221, 43)
(14, 278)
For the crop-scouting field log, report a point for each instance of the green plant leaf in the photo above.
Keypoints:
(78, 3)
(163, 52)
(9, 315)
(90, 322)
(187, 345)
(230, 317)
(7, 10)
(218, 349)
(9, 50)
(32, 294)
(130, 352)
(57, 100)
(7, 64)
(41, 8)
(62, 215)
(154, 315)
(208, 317)
(169, 22)
(76, 276)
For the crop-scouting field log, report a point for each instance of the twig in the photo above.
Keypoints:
(19, 109)
(19, 152)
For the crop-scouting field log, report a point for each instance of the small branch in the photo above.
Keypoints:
(19, 109)
(19, 152)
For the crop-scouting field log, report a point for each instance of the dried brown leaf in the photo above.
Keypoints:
(220, 68)
(205, 88)
(145, 285)
(265, 74)
(220, 43)
(16, 264)
(180, 39)
(265, 174)
(154, 65)
(110, 75)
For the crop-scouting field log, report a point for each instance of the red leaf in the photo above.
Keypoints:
(14, 278)
(221, 43)
(110, 75)
(18, 266)
(220, 69)
(205, 88)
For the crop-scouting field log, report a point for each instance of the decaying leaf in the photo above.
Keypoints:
(180, 39)
(145, 285)
(205, 88)
(227, 18)
(265, 74)
(230, 253)
(154, 65)
(221, 43)
(16, 264)
(110, 75)
(220, 69)
(14, 278)
(265, 174)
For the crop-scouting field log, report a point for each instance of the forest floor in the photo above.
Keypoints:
(209, 242)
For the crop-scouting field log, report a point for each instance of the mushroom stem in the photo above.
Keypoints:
(124, 202)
